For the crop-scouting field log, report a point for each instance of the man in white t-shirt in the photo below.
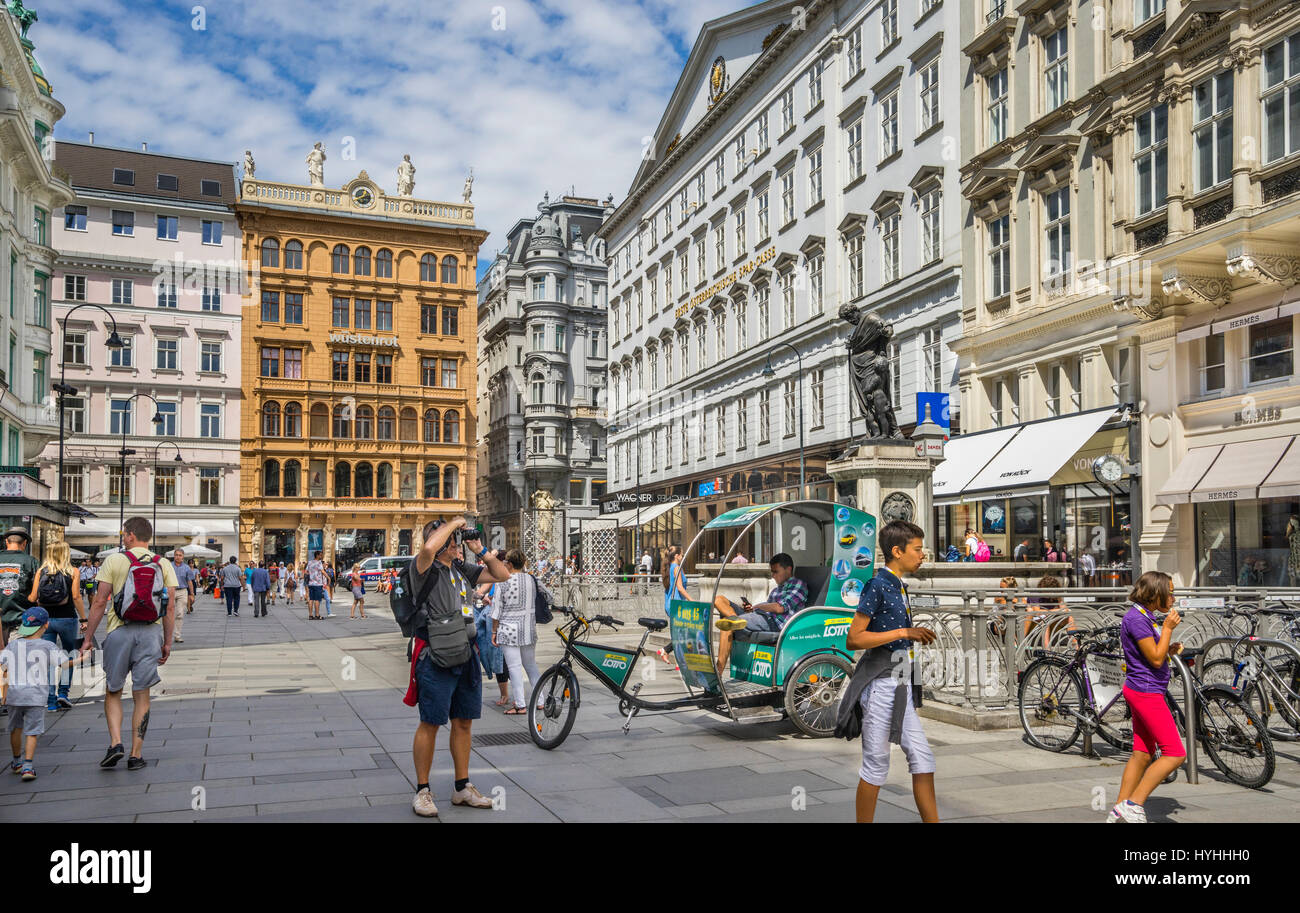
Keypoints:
(316, 584)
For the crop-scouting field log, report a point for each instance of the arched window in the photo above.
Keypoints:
(451, 427)
(539, 389)
(271, 479)
(342, 480)
(387, 423)
(292, 470)
(340, 259)
(449, 270)
(293, 255)
(384, 481)
(361, 261)
(406, 427)
(271, 419)
(342, 421)
(431, 426)
(365, 423)
(320, 420)
(428, 268)
(270, 252)
(431, 481)
(365, 480)
(450, 483)
(384, 264)
(292, 420)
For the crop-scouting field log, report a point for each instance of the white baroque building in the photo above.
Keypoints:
(807, 159)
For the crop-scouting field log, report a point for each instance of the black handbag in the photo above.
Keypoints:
(541, 604)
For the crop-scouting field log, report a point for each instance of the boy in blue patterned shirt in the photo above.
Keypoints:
(883, 627)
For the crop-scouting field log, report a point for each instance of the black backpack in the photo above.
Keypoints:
(53, 591)
(405, 604)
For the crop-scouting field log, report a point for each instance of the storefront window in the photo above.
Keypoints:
(1270, 350)
(1262, 548)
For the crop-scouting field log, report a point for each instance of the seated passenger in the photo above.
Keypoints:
(788, 596)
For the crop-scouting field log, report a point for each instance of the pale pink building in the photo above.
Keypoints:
(153, 240)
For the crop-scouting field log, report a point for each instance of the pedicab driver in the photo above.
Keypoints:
(788, 596)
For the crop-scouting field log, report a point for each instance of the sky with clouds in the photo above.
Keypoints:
(535, 96)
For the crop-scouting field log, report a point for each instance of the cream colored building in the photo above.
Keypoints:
(1131, 202)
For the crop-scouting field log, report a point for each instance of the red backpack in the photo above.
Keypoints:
(143, 593)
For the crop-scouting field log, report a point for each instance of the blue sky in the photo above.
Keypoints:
(535, 96)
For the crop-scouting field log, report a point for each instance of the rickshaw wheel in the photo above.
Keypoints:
(812, 692)
(557, 694)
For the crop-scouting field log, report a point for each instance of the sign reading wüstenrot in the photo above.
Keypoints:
(355, 339)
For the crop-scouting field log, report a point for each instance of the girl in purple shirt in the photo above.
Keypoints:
(1147, 645)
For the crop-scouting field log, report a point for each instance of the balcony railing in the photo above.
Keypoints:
(997, 10)
(322, 198)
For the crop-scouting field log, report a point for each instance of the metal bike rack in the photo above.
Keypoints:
(1189, 714)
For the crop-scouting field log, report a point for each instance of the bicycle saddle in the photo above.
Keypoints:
(653, 624)
(1191, 652)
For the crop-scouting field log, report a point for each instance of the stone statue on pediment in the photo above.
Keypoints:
(405, 177)
(316, 166)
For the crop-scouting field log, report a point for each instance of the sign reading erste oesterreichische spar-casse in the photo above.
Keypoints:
(355, 339)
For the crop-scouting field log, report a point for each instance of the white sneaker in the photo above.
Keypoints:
(471, 796)
(423, 805)
(1131, 812)
(1114, 817)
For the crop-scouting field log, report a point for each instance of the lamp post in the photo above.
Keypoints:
(768, 374)
(121, 491)
(62, 388)
(178, 459)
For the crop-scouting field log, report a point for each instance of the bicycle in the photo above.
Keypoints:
(1271, 683)
(1057, 700)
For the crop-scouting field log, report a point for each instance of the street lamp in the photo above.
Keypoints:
(636, 534)
(121, 489)
(62, 388)
(768, 374)
(178, 459)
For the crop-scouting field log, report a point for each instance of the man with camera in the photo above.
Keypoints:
(447, 679)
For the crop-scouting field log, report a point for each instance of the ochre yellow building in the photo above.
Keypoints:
(359, 369)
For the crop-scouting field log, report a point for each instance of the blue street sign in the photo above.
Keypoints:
(938, 409)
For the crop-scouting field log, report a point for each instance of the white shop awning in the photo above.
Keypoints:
(963, 457)
(1240, 470)
(1025, 466)
(648, 513)
(1284, 480)
(1178, 490)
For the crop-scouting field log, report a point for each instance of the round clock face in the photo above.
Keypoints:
(1108, 468)
(363, 197)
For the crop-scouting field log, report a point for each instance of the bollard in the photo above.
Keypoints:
(1189, 715)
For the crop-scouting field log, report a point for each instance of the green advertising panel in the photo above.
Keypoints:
(689, 623)
(812, 631)
(615, 665)
(853, 558)
(741, 516)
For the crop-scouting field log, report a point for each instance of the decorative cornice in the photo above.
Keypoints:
(1201, 289)
(1145, 309)
(1263, 265)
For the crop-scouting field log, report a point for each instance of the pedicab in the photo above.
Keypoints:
(797, 673)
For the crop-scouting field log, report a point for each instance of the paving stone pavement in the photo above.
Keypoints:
(284, 719)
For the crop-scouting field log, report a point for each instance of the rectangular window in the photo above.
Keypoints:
(40, 226)
(119, 417)
(119, 489)
(787, 111)
(210, 188)
(931, 225)
(164, 484)
(787, 299)
(742, 423)
(293, 307)
(293, 364)
(719, 428)
(209, 420)
(1056, 69)
(818, 387)
(340, 366)
(787, 197)
(167, 427)
(74, 218)
(816, 284)
(270, 361)
(428, 372)
(932, 353)
(1213, 373)
(210, 357)
(701, 268)
(889, 255)
(764, 416)
(999, 253)
(559, 338)
(384, 369)
(760, 127)
(451, 321)
(384, 316)
(853, 52)
(209, 485)
(1270, 351)
(1056, 218)
(888, 23)
(763, 296)
(1151, 158)
(74, 348)
(853, 141)
(168, 182)
(815, 85)
(123, 223)
(888, 125)
(361, 367)
(74, 414)
(340, 313)
(211, 232)
(167, 297)
(1281, 98)
(40, 375)
(167, 226)
(212, 299)
(996, 86)
(165, 355)
(361, 314)
(720, 245)
(929, 79)
(740, 232)
(719, 173)
(41, 300)
(428, 318)
(122, 357)
(74, 477)
(895, 375)
(760, 200)
(449, 373)
(271, 307)
(857, 268)
(815, 176)
(1145, 9)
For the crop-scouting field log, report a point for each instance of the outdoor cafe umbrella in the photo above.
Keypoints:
(77, 554)
(198, 551)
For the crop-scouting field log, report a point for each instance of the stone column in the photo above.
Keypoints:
(1246, 116)
(1166, 543)
(1179, 99)
(1095, 379)
(1031, 393)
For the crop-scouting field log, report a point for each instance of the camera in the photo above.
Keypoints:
(470, 533)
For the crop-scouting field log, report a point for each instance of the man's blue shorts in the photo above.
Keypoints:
(448, 694)
(316, 593)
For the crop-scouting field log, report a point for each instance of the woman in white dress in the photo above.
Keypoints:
(514, 627)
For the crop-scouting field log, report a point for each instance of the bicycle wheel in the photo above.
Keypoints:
(1115, 726)
(1224, 672)
(557, 692)
(1234, 737)
(1051, 698)
(812, 692)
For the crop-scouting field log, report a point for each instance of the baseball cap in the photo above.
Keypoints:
(33, 620)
